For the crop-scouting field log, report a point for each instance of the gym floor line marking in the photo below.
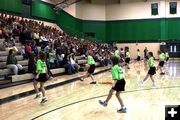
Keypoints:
(141, 90)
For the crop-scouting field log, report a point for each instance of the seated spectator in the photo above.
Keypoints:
(67, 65)
(59, 57)
(23, 53)
(52, 58)
(34, 48)
(12, 63)
(28, 49)
(36, 36)
(32, 64)
(73, 63)
(9, 44)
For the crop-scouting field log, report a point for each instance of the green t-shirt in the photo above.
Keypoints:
(116, 53)
(117, 73)
(138, 54)
(41, 66)
(167, 54)
(127, 55)
(90, 60)
(151, 62)
(162, 57)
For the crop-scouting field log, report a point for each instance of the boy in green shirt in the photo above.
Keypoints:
(127, 60)
(152, 69)
(138, 56)
(118, 85)
(161, 62)
(91, 63)
(116, 52)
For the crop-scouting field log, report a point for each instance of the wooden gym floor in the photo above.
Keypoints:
(79, 100)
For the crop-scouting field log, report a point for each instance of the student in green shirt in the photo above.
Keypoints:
(161, 62)
(118, 85)
(91, 63)
(152, 69)
(41, 76)
(127, 60)
(138, 56)
(116, 52)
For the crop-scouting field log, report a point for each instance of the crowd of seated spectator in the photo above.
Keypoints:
(59, 47)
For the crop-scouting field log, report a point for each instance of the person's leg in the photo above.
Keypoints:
(104, 103)
(153, 81)
(120, 100)
(44, 99)
(14, 68)
(85, 76)
(93, 81)
(19, 66)
(145, 79)
(109, 95)
(35, 83)
(42, 89)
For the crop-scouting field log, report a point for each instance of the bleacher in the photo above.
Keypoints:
(7, 75)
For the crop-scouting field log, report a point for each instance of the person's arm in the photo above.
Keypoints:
(38, 67)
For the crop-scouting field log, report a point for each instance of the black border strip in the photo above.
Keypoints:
(98, 97)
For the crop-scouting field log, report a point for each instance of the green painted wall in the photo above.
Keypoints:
(43, 10)
(98, 27)
(11, 5)
(69, 24)
(173, 28)
(133, 30)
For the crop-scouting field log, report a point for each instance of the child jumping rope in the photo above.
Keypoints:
(41, 76)
(91, 63)
(127, 60)
(161, 62)
(118, 85)
(152, 70)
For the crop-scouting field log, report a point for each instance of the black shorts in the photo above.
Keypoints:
(42, 77)
(161, 63)
(120, 85)
(127, 60)
(138, 58)
(91, 69)
(152, 71)
(167, 59)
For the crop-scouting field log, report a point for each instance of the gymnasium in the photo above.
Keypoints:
(89, 59)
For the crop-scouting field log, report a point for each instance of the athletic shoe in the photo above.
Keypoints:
(37, 96)
(93, 82)
(122, 110)
(103, 103)
(44, 100)
(141, 81)
(154, 85)
(51, 78)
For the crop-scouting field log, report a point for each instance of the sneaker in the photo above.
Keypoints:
(44, 100)
(51, 78)
(37, 96)
(154, 85)
(93, 82)
(141, 81)
(122, 110)
(103, 103)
